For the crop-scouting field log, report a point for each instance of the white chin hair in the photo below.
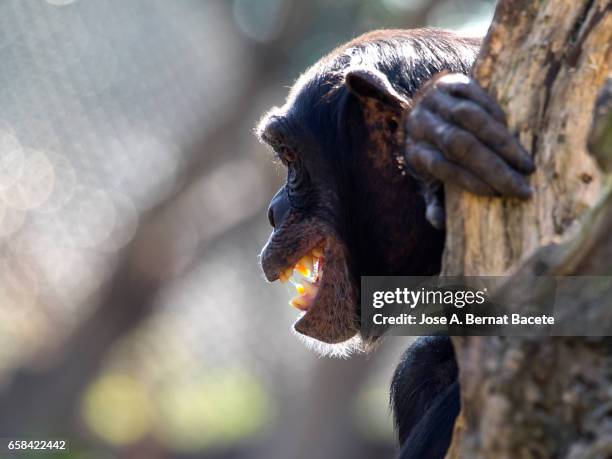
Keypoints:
(342, 350)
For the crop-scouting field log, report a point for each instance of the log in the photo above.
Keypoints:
(534, 397)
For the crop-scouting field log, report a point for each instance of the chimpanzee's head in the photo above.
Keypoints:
(348, 207)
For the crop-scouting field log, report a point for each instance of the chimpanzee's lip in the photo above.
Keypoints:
(326, 293)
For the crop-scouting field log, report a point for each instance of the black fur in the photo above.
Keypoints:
(323, 122)
(425, 398)
(407, 58)
(432, 436)
(325, 116)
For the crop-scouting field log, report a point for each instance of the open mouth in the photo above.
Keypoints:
(306, 276)
(310, 256)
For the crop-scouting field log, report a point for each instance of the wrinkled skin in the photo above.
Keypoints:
(366, 159)
(458, 134)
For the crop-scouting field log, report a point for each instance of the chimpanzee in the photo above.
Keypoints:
(368, 135)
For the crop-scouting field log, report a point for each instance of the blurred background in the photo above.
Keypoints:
(134, 319)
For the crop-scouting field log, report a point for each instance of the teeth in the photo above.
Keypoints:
(285, 275)
(304, 266)
(307, 289)
(310, 266)
(310, 289)
(307, 292)
(299, 302)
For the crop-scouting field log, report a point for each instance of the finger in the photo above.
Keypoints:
(477, 121)
(425, 159)
(434, 209)
(461, 147)
(465, 87)
(430, 189)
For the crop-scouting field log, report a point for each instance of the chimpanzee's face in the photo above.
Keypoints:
(342, 149)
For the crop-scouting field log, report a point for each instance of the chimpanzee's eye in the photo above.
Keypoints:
(392, 124)
(289, 155)
(286, 155)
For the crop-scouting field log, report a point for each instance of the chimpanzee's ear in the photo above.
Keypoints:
(372, 84)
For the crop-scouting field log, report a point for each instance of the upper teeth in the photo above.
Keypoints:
(305, 265)
(310, 267)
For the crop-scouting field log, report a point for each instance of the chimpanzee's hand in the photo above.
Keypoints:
(457, 133)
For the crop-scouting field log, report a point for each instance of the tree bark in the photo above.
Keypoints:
(545, 61)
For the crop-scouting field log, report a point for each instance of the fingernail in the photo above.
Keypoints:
(435, 215)
(526, 191)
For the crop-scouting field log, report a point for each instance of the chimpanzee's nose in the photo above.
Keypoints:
(279, 206)
(271, 216)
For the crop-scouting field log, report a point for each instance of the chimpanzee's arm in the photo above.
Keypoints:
(425, 398)
(432, 436)
(457, 133)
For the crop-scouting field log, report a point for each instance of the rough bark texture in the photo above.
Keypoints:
(545, 61)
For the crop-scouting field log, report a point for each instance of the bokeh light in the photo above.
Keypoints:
(35, 184)
(60, 2)
(133, 200)
(118, 409)
(214, 410)
(260, 20)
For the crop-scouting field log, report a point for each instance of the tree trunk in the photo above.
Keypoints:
(545, 61)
